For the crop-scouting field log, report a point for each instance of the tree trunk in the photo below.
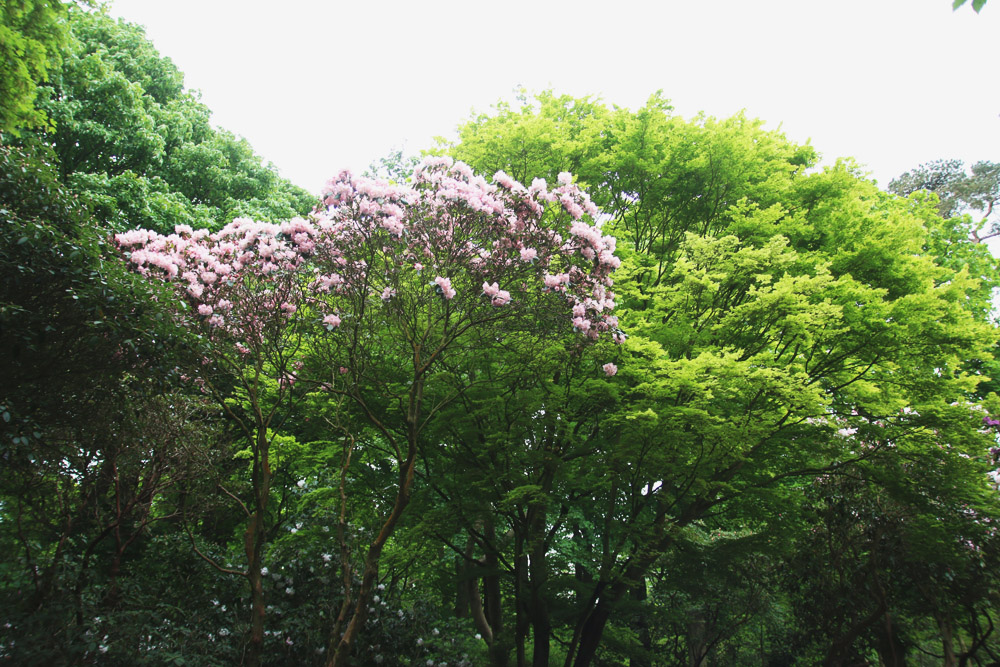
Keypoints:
(500, 647)
(697, 640)
(641, 626)
(891, 650)
(341, 647)
(253, 543)
(947, 640)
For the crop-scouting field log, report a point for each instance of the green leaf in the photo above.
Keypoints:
(957, 4)
(978, 4)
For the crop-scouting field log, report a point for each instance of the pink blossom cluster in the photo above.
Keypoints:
(240, 280)
(363, 248)
(479, 238)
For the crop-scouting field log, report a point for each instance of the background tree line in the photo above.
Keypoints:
(791, 466)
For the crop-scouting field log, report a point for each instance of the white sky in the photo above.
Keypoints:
(319, 85)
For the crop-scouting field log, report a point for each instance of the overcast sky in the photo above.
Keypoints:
(319, 85)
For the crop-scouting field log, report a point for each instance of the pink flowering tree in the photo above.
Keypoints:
(414, 279)
(385, 285)
(243, 288)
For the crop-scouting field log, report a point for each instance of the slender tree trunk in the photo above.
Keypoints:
(541, 625)
(697, 640)
(499, 650)
(891, 650)
(641, 626)
(464, 576)
(253, 543)
(947, 640)
(521, 623)
(342, 646)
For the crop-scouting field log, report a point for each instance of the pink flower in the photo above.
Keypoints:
(502, 298)
(528, 254)
(609, 369)
(490, 290)
(444, 287)
(388, 293)
(331, 321)
(204, 310)
(418, 266)
(502, 179)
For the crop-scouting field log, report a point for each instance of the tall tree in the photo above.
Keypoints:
(763, 305)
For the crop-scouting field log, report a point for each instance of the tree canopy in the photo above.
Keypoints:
(588, 386)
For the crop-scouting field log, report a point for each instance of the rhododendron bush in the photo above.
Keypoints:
(449, 234)
(384, 279)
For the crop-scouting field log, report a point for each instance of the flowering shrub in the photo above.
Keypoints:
(474, 240)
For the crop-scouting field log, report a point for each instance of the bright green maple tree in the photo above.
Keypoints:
(774, 315)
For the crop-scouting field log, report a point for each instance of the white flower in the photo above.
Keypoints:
(435, 632)
(301, 484)
(263, 571)
(420, 641)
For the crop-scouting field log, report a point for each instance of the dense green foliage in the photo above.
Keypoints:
(32, 37)
(791, 465)
(139, 148)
